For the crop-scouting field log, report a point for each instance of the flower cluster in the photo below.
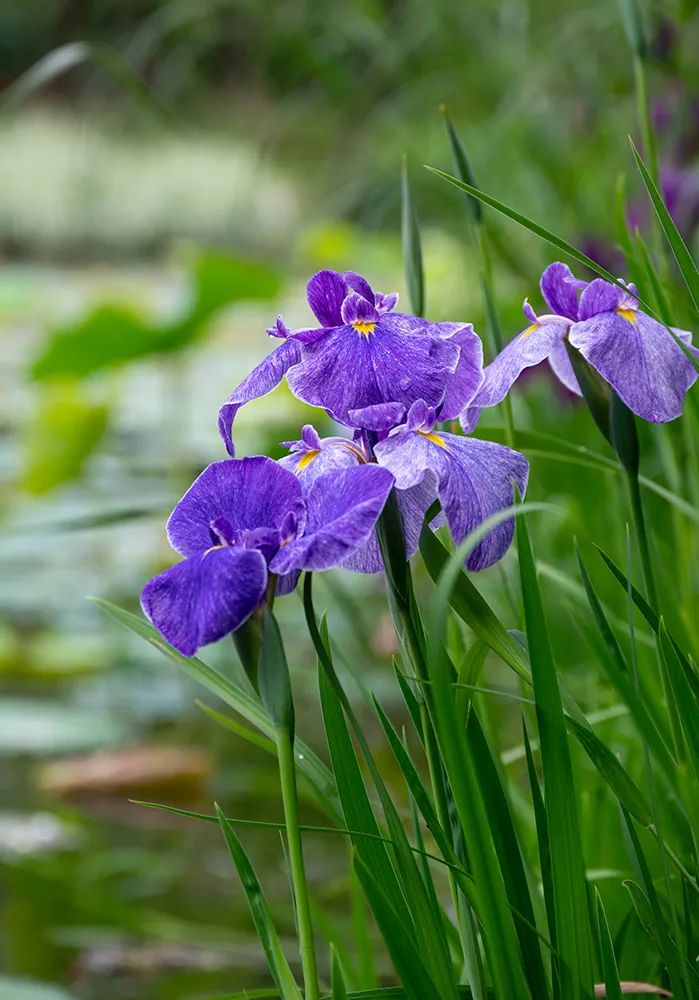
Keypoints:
(247, 527)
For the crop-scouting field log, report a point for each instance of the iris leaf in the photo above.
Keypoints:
(247, 705)
(266, 931)
(573, 932)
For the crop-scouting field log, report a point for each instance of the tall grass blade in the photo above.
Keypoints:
(685, 261)
(573, 932)
(264, 925)
(606, 946)
(412, 246)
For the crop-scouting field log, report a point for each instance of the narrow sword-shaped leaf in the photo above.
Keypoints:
(412, 246)
(573, 933)
(247, 705)
(264, 925)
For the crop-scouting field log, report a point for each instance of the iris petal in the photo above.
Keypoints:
(203, 598)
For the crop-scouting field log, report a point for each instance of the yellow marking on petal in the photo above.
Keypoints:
(434, 438)
(628, 314)
(530, 330)
(212, 549)
(306, 459)
(364, 327)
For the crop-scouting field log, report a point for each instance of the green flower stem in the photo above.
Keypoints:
(287, 776)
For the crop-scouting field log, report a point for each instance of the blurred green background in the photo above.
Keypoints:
(170, 175)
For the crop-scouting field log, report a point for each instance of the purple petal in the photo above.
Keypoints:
(384, 303)
(468, 377)
(600, 297)
(333, 454)
(326, 292)
(356, 309)
(562, 368)
(249, 492)
(259, 382)
(474, 480)
(349, 371)
(359, 284)
(205, 597)
(559, 287)
(380, 417)
(639, 358)
(413, 504)
(527, 349)
(343, 508)
(479, 483)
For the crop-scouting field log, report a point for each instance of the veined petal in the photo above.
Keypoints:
(559, 288)
(259, 382)
(413, 504)
(349, 370)
(600, 297)
(639, 358)
(359, 284)
(380, 417)
(468, 377)
(528, 348)
(343, 508)
(562, 368)
(474, 480)
(326, 291)
(480, 482)
(331, 455)
(205, 597)
(250, 492)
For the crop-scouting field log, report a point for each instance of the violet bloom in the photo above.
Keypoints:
(313, 457)
(472, 478)
(243, 520)
(633, 352)
(364, 354)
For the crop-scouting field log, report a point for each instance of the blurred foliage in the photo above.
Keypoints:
(65, 430)
(111, 335)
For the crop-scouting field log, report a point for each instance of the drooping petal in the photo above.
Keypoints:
(259, 382)
(526, 350)
(343, 508)
(205, 597)
(474, 480)
(562, 368)
(480, 482)
(640, 359)
(326, 291)
(250, 492)
(559, 288)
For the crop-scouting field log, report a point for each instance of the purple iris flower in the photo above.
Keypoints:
(243, 520)
(313, 457)
(472, 478)
(629, 349)
(364, 354)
